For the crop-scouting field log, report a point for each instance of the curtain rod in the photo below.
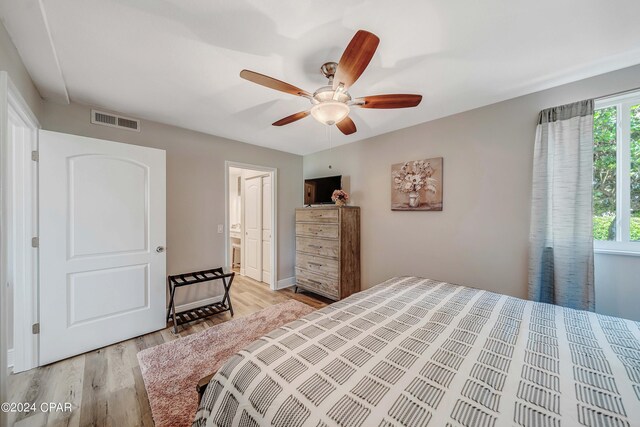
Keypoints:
(622, 92)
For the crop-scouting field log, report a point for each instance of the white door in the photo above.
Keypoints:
(102, 238)
(253, 228)
(266, 229)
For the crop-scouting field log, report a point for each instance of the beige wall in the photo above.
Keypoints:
(195, 187)
(480, 238)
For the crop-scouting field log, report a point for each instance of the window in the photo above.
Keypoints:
(616, 173)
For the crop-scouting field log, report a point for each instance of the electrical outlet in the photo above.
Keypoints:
(220, 228)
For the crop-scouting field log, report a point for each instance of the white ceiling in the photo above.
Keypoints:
(177, 61)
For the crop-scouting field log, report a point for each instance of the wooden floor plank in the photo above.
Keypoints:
(142, 400)
(94, 404)
(66, 384)
(105, 386)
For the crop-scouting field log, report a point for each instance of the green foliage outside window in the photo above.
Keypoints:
(604, 161)
(635, 162)
(604, 173)
(604, 227)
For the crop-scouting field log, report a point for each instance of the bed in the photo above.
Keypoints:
(416, 352)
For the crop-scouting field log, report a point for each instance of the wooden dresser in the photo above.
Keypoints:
(328, 250)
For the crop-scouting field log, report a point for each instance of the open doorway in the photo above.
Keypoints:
(251, 214)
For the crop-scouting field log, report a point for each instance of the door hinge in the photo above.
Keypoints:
(35, 242)
(35, 156)
(35, 328)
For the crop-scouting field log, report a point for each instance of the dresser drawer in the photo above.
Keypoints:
(323, 285)
(329, 231)
(317, 215)
(322, 247)
(323, 266)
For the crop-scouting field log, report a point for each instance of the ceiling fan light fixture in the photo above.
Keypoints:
(330, 112)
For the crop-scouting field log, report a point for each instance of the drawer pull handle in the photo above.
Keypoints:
(315, 246)
(314, 281)
(315, 264)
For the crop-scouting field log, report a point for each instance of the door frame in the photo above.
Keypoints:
(273, 172)
(25, 298)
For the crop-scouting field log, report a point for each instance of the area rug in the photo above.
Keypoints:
(172, 370)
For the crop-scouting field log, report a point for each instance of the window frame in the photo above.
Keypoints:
(622, 244)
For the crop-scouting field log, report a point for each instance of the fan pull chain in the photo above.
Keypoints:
(330, 144)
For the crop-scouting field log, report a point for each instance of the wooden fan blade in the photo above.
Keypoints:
(272, 83)
(292, 118)
(388, 101)
(355, 58)
(346, 126)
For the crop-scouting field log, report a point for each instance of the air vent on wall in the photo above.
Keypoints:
(113, 120)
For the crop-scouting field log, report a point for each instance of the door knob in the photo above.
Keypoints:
(160, 249)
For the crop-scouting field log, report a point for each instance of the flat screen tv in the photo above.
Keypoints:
(318, 191)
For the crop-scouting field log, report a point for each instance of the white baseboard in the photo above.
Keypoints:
(199, 303)
(285, 283)
(10, 358)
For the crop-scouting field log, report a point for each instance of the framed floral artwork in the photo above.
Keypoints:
(417, 185)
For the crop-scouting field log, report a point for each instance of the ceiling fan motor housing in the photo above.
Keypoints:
(328, 69)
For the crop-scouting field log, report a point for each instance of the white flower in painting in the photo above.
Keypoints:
(414, 176)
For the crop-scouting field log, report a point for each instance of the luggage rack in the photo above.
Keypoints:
(207, 310)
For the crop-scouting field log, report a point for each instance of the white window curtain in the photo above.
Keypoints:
(561, 236)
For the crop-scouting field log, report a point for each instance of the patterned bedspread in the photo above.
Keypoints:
(415, 352)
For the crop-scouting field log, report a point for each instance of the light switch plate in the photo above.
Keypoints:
(220, 228)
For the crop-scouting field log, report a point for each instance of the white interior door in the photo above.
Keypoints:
(253, 228)
(266, 229)
(102, 238)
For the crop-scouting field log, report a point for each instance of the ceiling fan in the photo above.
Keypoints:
(332, 103)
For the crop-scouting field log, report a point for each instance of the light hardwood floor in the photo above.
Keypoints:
(105, 386)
